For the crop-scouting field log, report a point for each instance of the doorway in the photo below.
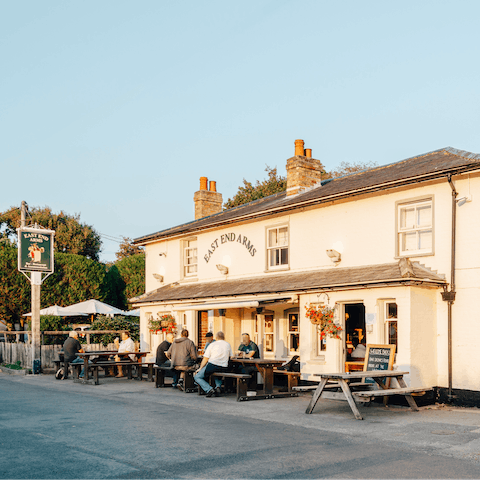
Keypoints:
(354, 326)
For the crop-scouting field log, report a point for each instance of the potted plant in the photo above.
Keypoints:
(322, 317)
(165, 323)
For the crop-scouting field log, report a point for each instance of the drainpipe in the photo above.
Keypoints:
(449, 296)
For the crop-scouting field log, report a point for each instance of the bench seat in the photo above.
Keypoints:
(292, 378)
(242, 383)
(188, 386)
(97, 365)
(391, 391)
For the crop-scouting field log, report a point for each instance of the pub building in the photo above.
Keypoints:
(392, 250)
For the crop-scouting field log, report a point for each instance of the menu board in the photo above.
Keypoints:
(379, 357)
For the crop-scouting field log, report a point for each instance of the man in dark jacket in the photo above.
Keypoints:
(161, 359)
(183, 357)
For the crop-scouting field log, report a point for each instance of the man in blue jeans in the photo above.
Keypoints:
(215, 359)
(70, 349)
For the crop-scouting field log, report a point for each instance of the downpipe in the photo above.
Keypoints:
(449, 295)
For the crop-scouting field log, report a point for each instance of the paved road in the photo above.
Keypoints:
(128, 429)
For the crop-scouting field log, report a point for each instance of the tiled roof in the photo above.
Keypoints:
(412, 170)
(334, 278)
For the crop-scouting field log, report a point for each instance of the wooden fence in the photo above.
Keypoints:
(12, 352)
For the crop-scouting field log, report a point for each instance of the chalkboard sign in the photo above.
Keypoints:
(379, 357)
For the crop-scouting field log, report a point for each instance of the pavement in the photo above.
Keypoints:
(53, 421)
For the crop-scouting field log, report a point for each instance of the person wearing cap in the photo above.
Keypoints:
(208, 340)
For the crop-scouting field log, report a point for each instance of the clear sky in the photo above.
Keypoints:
(113, 109)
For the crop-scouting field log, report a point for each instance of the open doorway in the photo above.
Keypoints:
(354, 327)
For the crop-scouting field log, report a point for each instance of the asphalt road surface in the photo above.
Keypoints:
(57, 429)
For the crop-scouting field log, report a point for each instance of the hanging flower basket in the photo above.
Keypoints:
(322, 317)
(164, 324)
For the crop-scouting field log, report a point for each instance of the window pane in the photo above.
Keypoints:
(272, 237)
(269, 342)
(424, 216)
(425, 240)
(294, 342)
(391, 310)
(283, 236)
(284, 256)
(293, 323)
(392, 333)
(409, 241)
(407, 217)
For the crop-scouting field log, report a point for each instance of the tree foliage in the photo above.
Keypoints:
(276, 183)
(118, 322)
(71, 236)
(127, 249)
(132, 272)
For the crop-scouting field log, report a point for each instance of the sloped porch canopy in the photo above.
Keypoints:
(255, 291)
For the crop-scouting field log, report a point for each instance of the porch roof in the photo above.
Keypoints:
(327, 279)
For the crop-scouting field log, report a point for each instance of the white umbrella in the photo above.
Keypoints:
(57, 311)
(132, 313)
(93, 307)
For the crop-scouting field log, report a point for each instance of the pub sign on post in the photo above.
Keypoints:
(35, 250)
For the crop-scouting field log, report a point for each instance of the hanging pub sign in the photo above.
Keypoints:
(35, 250)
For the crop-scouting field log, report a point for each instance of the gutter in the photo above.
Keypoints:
(449, 296)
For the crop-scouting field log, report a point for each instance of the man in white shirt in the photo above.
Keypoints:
(215, 359)
(126, 345)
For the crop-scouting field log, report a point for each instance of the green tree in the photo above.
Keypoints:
(274, 183)
(132, 271)
(127, 249)
(347, 168)
(71, 236)
(118, 322)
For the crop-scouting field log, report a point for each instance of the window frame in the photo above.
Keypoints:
(399, 232)
(268, 249)
(185, 265)
(389, 320)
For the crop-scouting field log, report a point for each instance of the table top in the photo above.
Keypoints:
(101, 353)
(367, 374)
(258, 361)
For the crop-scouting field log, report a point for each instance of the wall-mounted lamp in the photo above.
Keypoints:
(158, 277)
(259, 310)
(222, 312)
(223, 269)
(463, 200)
(335, 256)
(162, 254)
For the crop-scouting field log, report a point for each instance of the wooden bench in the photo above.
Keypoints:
(128, 365)
(242, 383)
(188, 385)
(406, 392)
(292, 378)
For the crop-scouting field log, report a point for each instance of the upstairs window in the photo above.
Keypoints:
(277, 247)
(415, 228)
(190, 260)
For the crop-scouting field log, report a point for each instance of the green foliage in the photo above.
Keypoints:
(14, 366)
(132, 272)
(118, 322)
(249, 192)
(52, 323)
(115, 293)
(126, 249)
(71, 236)
(346, 168)
(15, 294)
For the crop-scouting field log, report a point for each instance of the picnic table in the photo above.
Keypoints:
(349, 392)
(106, 354)
(265, 367)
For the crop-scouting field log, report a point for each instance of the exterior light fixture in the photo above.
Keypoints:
(222, 312)
(335, 256)
(222, 268)
(464, 200)
(158, 277)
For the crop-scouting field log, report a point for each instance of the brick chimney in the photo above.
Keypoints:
(303, 171)
(207, 201)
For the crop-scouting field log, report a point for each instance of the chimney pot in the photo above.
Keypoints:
(308, 152)
(299, 148)
(203, 183)
(213, 186)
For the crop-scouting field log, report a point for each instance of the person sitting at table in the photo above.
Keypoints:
(161, 360)
(248, 349)
(126, 345)
(215, 359)
(183, 357)
(208, 340)
(70, 349)
(360, 350)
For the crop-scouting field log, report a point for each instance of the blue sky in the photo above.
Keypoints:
(114, 109)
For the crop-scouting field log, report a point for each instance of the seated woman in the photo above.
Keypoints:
(360, 350)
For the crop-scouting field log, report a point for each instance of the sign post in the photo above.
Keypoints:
(35, 255)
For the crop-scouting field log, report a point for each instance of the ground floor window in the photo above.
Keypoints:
(391, 316)
(268, 332)
(293, 333)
